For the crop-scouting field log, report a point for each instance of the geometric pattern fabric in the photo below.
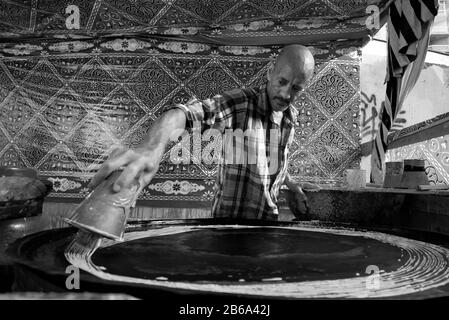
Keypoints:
(66, 102)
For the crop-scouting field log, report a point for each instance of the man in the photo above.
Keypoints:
(243, 190)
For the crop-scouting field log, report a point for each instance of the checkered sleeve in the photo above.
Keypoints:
(205, 113)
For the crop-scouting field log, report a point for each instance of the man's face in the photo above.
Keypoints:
(284, 84)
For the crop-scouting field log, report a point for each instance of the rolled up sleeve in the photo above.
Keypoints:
(204, 113)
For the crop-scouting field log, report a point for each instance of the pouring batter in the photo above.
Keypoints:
(247, 191)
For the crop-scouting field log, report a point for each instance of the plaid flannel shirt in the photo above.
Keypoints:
(246, 190)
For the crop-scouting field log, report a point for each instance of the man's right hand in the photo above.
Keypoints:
(137, 163)
(142, 162)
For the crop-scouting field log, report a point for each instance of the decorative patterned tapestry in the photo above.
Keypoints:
(67, 98)
(245, 21)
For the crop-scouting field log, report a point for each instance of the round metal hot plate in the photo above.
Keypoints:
(283, 261)
(258, 254)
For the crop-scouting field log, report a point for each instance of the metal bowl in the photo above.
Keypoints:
(13, 209)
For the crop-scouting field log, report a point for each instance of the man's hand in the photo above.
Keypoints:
(297, 199)
(136, 163)
(298, 203)
(143, 161)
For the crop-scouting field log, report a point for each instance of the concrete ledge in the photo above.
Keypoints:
(377, 207)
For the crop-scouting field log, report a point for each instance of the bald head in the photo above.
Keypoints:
(298, 57)
(288, 76)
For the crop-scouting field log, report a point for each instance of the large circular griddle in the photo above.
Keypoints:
(283, 261)
(227, 254)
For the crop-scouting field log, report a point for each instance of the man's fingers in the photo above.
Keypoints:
(301, 195)
(122, 160)
(102, 174)
(306, 204)
(116, 152)
(129, 174)
(111, 165)
(135, 171)
(303, 201)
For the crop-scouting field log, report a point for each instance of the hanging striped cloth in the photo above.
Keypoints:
(408, 28)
